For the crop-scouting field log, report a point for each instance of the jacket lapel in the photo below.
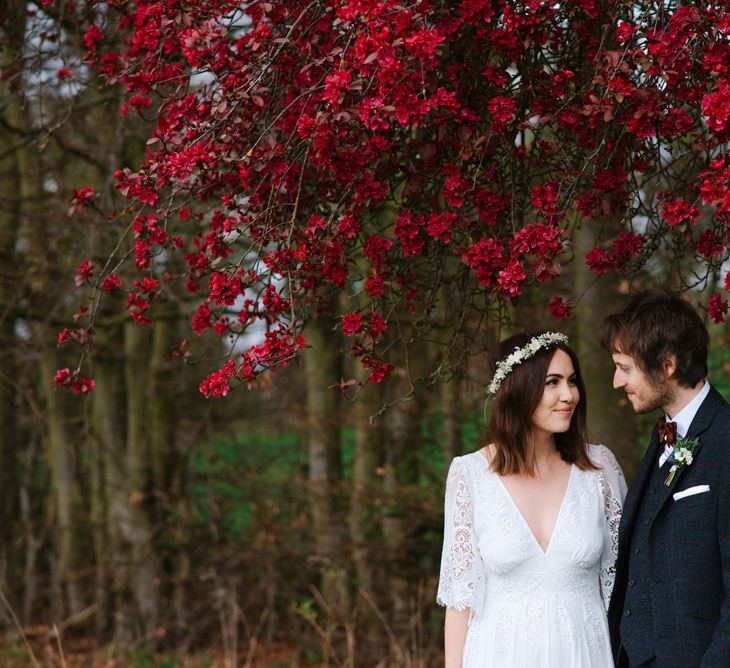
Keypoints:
(702, 420)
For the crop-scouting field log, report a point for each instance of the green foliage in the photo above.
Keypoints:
(719, 364)
(144, 659)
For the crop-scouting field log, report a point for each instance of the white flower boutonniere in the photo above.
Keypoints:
(682, 455)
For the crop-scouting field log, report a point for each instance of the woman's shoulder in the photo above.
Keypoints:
(470, 462)
(603, 457)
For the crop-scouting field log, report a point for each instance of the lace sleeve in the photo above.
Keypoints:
(462, 579)
(613, 489)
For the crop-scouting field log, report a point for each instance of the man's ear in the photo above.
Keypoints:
(669, 365)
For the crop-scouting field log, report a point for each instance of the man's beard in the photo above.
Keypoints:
(663, 396)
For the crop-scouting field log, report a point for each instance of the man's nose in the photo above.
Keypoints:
(618, 380)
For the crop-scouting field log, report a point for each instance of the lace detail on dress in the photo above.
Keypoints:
(534, 621)
(461, 577)
(502, 630)
(566, 625)
(594, 631)
(612, 496)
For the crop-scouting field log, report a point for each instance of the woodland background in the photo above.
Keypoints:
(298, 521)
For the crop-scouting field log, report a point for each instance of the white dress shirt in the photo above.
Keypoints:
(684, 419)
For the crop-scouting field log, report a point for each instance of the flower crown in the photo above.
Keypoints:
(534, 345)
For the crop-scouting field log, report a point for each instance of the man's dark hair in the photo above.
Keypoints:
(510, 421)
(653, 324)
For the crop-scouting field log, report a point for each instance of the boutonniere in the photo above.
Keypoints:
(682, 455)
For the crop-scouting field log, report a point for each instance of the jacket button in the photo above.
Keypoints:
(653, 490)
(637, 550)
(647, 522)
(627, 613)
(631, 583)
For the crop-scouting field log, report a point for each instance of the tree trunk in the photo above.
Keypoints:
(138, 529)
(108, 497)
(64, 492)
(12, 173)
(611, 420)
(168, 464)
(322, 366)
(402, 441)
(368, 457)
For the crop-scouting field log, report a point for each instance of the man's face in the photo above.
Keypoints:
(644, 394)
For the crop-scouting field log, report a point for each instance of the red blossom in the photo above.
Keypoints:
(74, 381)
(377, 325)
(709, 245)
(624, 31)
(503, 110)
(626, 246)
(559, 309)
(716, 107)
(351, 323)
(511, 278)
(717, 308)
(379, 370)
(111, 283)
(217, 384)
(82, 385)
(485, 257)
(676, 211)
(84, 273)
(80, 199)
(201, 318)
(599, 260)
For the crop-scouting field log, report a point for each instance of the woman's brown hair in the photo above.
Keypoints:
(510, 420)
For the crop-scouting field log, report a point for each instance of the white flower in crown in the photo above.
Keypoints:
(519, 355)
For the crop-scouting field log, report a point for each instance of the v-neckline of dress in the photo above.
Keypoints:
(519, 513)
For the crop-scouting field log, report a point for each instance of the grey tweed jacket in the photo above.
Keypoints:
(689, 551)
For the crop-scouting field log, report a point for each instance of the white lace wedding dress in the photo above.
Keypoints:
(532, 608)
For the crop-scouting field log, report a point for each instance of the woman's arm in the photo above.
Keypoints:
(454, 636)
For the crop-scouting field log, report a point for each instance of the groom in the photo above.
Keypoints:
(671, 601)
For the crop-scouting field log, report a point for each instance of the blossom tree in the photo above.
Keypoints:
(379, 151)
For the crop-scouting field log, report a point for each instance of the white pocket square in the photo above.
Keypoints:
(697, 489)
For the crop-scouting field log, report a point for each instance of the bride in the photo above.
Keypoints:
(531, 522)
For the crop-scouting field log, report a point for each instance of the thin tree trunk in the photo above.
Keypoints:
(64, 492)
(611, 420)
(402, 441)
(368, 457)
(168, 464)
(139, 532)
(108, 497)
(12, 174)
(32, 536)
(322, 364)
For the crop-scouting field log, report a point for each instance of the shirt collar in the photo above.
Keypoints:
(687, 414)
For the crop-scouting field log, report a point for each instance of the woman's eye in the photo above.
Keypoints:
(552, 381)
(572, 381)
